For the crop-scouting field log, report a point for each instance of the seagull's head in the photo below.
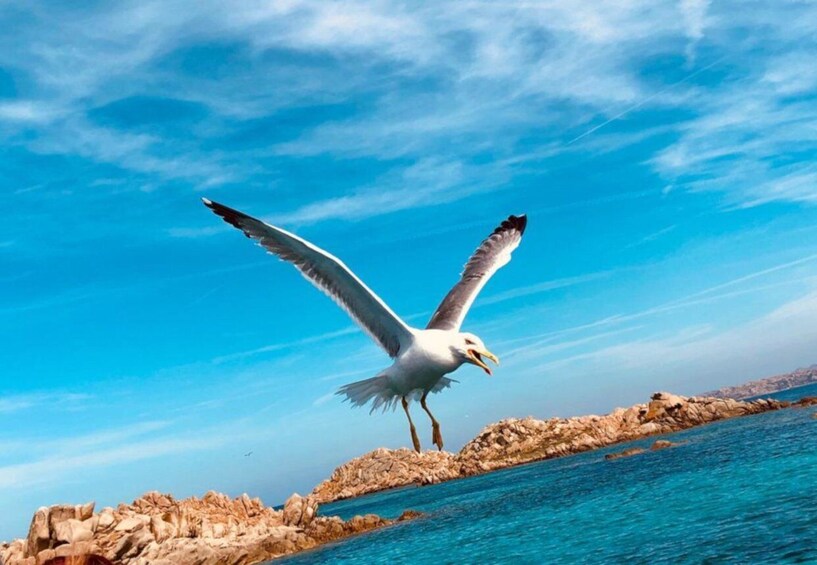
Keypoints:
(471, 349)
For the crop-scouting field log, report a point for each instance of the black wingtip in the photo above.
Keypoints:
(229, 215)
(517, 223)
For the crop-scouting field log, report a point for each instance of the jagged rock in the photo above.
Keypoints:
(161, 529)
(73, 531)
(807, 401)
(15, 550)
(131, 544)
(39, 533)
(299, 511)
(106, 519)
(662, 444)
(410, 515)
(359, 524)
(130, 524)
(44, 556)
(629, 452)
(71, 549)
(60, 513)
(385, 468)
(156, 529)
(85, 511)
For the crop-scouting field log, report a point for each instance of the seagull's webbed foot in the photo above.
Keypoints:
(415, 440)
(436, 436)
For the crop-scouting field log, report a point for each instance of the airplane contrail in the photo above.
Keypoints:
(644, 101)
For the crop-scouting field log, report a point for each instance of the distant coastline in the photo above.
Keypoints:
(800, 377)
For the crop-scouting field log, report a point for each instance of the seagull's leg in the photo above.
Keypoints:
(436, 436)
(414, 439)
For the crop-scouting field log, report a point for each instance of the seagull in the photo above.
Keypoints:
(422, 357)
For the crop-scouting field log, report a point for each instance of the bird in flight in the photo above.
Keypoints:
(422, 357)
(248, 454)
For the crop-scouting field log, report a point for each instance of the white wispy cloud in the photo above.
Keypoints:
(537, 343)
(742, 279)
(323, 399)
(694, 13)
(285, 345)
(37, 460)
(24, 111)
(43, 400)
(428, 182)
(546, 347)
(749, 128)
(652, 236)
(495, 72)
(425, 183)
(698, 357)
(55, 446)
(541, 287)
(486, 75)
(49, 468)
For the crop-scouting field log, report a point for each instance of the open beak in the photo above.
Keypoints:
(477, 358)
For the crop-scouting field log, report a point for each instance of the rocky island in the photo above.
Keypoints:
(160, 530)
(800, 377)
(517, 441)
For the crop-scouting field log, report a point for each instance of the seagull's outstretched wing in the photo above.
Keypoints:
(492, 254)
(327, 273)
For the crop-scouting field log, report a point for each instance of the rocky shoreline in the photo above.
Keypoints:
(517, 441)
(157, 529)
(160, 530)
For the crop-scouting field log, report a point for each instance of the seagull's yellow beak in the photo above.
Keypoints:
(476, 356)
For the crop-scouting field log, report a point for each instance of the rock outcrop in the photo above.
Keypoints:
(383, 469)
(629, 452)
(157, 529)
(516, 441)
(662, 444)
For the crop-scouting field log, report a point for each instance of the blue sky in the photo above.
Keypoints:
(664, 154)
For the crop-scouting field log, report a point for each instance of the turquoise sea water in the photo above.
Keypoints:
(738, 491)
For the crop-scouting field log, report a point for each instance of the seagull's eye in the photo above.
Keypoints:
(469, 342)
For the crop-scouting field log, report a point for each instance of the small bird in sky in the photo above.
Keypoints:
(248, 454)
(422, 357)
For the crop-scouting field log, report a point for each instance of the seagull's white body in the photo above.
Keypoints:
(423, 364)
(429, 357)
(422, 357)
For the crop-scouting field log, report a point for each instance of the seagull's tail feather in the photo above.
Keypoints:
(377, 389)
(381, 393)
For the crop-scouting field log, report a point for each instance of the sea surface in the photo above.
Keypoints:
(737, 491)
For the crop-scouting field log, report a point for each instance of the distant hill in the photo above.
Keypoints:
(800, 377)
